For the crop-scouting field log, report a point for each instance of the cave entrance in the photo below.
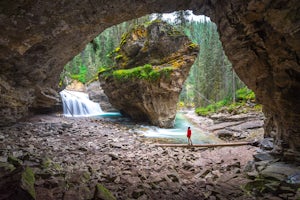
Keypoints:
(212, 82)
(261, 39)
(34, 50)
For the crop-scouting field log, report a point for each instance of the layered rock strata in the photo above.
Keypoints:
(153, 62)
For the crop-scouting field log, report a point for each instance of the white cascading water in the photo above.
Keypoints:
(78, 104)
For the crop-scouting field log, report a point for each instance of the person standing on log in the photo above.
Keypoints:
(188, 135)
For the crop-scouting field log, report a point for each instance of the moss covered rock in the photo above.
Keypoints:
(102, 193)
(27, 181)
(152, 63)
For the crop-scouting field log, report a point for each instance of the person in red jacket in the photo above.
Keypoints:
(188, 135)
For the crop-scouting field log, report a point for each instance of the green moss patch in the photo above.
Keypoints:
(103, 193)
(146, 72)
(242, 97)
(28, 181)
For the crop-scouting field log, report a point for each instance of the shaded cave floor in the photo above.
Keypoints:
(69, 156)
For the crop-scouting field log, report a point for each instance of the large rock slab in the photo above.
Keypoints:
(153, 61)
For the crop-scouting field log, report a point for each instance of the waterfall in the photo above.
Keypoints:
(78, 104)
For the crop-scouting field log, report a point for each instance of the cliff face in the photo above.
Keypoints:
(261, 38)
(152, 64)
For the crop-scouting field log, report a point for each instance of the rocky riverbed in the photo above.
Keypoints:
(52, 157)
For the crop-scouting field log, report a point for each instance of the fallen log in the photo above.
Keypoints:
(206, 145)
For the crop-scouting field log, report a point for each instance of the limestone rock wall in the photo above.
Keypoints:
(261, 38)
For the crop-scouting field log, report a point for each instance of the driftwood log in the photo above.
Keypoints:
(207, 145)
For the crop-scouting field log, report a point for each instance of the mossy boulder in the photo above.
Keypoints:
(103, 193)
(17, 183)
(152, 63)
(27, 181)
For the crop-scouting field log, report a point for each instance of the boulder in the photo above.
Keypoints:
(96, 94)
(152, 63)
(17, 184)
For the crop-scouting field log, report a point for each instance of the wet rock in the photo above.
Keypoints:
(113, 156)
(280, 171)
(267, 144)
(248, 125)
(222, 125)
(294, 178)
(224, 133)
(263, 157)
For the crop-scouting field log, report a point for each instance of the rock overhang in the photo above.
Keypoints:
(261, 39)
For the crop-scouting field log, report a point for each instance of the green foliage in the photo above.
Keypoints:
(234, 106)
(245, 94)
(180, 105)
(193, 45)
(105, 71)
(119, 56)
(97, 53)
(102, 69)
(123, 40)
(146, 72)
(258, 107)
(204, 111)
(154, 74)
(81, 75)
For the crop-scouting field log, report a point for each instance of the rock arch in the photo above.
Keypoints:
(261, 38)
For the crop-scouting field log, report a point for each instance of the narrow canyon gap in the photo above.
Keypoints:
(261, 39)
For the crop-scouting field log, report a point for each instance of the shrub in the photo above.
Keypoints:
(245, 94)
(203, 111)
(81, 76)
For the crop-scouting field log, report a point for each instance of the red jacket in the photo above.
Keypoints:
(189, 133)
